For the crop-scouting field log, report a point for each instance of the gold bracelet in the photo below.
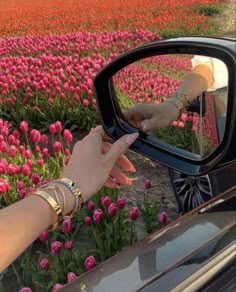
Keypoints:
(75, 190)
(182, 97)
(61, 200)
(55, 206)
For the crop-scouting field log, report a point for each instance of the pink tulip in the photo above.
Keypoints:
(11, 169)
(68, 244)
(163, 217)
(25, 169)
(89, 263)
(148, 184)
(87, 221)
(85, 102)
(67, 226)
(44, 264)
(91, 205)
(57, 146)
(112, 210)
(52, 129)
(181, 124)
(45, 152)
(120, 203)
(3, 147)
(67, 135)
(35, 178)
(133, 213)
(24, 126)
(44, 139)
(71, 277)
(106, 201)
(3, 168)
(20, 185)
(35, 136)
(4, 186)
(25, 289)
(44, 236)
(11, 139)
(22, 194)
(40, 162)
(27, 154)
(58, 126)
(56, 287)
(56, 247)
(37, 109)
(98, 216)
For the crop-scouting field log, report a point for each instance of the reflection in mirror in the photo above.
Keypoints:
(200, 127)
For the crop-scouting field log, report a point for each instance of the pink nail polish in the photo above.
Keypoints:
(132, 169)
(129, 139)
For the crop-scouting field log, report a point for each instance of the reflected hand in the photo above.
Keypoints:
(148, 117)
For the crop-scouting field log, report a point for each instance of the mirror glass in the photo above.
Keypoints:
(200, 128)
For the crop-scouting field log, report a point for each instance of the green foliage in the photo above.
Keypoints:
(178, 137)
(78, 117)
(150, 211)
(209, 10)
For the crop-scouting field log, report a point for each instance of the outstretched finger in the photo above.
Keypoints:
(118, 148)
(122, 161)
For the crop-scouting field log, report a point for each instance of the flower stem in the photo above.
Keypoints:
(131, 232)
(18, 277)
(61, 264)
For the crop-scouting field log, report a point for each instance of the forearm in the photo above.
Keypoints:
(21, 223)
(198, 81)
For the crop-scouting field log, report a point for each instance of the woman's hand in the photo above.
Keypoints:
(92, 163)
(148, 117)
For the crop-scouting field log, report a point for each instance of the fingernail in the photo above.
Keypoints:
(116, 186)
(132, 169)
(143, 127)
(128, 182)
(129, 139)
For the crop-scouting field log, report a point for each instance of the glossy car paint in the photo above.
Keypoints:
(183, 256)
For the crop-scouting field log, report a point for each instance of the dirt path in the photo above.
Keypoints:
(227, 19)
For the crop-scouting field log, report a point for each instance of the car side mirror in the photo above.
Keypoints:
(203, 137)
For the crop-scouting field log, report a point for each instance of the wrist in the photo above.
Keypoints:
(173, 110)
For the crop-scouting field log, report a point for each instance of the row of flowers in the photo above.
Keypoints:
(47, 17)
(55, 81)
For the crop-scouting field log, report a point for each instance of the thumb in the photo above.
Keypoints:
(119, 147)
(148, 125)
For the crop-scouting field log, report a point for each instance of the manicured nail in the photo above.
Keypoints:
(129, 139)
(132, 169)
(128, 181)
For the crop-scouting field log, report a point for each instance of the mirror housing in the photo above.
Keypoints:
(115, 126)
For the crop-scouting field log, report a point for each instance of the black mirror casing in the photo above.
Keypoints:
(115, 126)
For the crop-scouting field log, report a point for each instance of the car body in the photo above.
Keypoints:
(190, 254)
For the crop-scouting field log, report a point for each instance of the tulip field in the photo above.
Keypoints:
(50, 53)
